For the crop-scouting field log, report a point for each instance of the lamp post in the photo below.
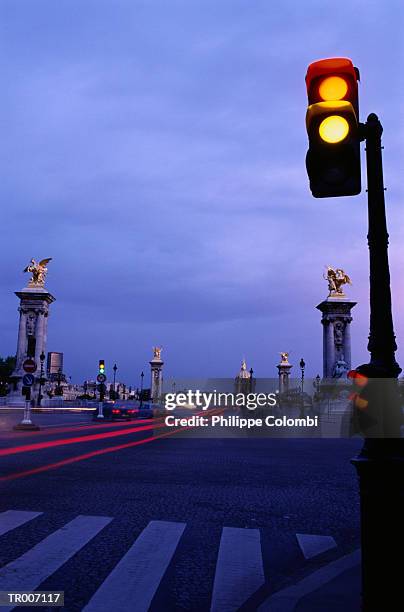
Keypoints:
(41, 380)
(302, 367)
(114, 369)
(58, 390)
(378, 416)
(380, 464)
(141, 389)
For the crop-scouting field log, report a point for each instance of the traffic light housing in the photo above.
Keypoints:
(332, 123)
(101, 366)
(363, 397)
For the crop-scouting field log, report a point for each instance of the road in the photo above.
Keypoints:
(111, 513)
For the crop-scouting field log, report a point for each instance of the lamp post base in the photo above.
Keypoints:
(380, 468)
(26, 424)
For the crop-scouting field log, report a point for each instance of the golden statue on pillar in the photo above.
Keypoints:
(38, 271)
(336, 279)
(157, 352)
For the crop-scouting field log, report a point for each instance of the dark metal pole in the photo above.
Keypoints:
(382, 341)
(42, 359)
(141, 389)
(302, 366)
(380, 465)
(115, 369)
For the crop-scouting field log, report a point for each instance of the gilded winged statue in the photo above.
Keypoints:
(38, 271)
(157, 352)
(336, 279)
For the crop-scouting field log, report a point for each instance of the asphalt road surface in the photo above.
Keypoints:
(120, 518)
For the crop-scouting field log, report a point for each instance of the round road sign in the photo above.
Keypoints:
(28, 380)
(101, 378)
(29, 365)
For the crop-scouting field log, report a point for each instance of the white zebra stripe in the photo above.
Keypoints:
(239, 570)
(11, 519)
(134, 581)
(28, 571)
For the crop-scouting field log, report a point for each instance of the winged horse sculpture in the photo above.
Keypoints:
(38, 271)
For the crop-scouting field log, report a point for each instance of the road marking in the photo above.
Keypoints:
(239, 570)
(287, 599)
(10, 519)
(133, 582)
(28, 571)
(313, 545)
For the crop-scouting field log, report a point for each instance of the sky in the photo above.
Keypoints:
(156, 151)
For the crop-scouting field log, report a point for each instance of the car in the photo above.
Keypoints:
(112, 411)
(121, 410)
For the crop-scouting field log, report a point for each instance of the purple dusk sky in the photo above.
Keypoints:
(156, 150)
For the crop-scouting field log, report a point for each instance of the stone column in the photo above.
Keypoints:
(156, 365)
(329, 357)
(34, 301)
(284, 368)
(336, 320)
(347, 342)
(39, 334)
(21, 336)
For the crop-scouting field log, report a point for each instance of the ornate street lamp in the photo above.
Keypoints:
(302, 366)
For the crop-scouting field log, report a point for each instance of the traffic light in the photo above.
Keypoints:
(101, 366)
(377, 411)
(363, 417)
(332, 123)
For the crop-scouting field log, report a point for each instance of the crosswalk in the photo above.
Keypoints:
(239, 571)
(139, 573)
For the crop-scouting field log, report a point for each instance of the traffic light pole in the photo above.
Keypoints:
(382, 342)
(380, 465)
(100, 414)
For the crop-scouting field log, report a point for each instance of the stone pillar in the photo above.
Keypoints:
(347, 342)
(284, 368)
(336, 320)
(21, 335)
(156, 365)
(40, 334)
(34, 310)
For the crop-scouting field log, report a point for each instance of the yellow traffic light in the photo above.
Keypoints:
(333, 129)
(333, 88)
(332, 122)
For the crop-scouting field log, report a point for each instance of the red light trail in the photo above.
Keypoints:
(64, 441)
(88, 455)
(95, 453)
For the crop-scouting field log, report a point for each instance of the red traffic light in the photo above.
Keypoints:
(335, 78)
(360, 381)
